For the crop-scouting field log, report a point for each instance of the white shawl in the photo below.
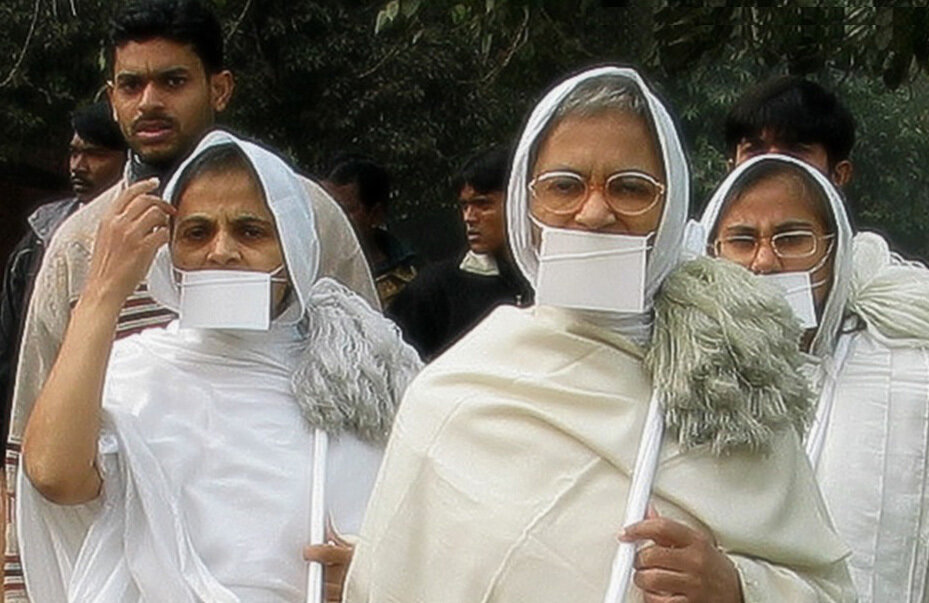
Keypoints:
(506, 474)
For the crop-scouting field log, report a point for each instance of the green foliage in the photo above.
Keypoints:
(421, 85)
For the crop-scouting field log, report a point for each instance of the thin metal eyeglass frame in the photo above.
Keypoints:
(589, 187)
(772, 238)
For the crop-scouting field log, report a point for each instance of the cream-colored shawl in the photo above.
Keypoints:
(509, 465)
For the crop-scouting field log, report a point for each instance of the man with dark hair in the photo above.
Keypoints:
(167, 82)
(97, 153)
(447, 299)
(361, 186)
(796, 117)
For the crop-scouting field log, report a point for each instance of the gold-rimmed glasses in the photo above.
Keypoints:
(788, 245)
(629, 193)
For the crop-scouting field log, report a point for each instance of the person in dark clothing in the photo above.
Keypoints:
(361, 186)
(449, 298)
(97, 154)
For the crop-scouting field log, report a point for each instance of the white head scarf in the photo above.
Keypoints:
(666, 252)
(290, 206)
(834, 309)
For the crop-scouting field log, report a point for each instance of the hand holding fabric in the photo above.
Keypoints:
(682, 565)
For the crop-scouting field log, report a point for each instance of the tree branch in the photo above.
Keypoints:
(522, 34)
(238, 22)
(22, 53)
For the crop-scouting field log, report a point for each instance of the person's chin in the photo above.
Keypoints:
(81, 189)
(158, 153)
(477, 247)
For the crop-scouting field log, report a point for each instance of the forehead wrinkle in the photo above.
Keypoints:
(742, 226)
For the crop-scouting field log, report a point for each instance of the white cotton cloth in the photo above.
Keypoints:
(483, 264)
(206, 462)
(870, 442)
(508, 470)
(205, 455)
(506, 477)
(666, 251)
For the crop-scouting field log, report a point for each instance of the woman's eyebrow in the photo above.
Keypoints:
(742, 228)
(202, 218)
(794, 225)
(250, 217)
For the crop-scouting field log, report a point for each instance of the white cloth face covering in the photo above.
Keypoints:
(579, 269)
(226, 299)
(798, 291)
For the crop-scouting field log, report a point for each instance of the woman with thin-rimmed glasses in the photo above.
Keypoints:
(867, 336)
(514, 459)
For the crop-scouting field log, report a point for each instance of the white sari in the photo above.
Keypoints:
(206, 452)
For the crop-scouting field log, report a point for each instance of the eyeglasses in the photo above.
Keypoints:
(630, 193)
(790, 245)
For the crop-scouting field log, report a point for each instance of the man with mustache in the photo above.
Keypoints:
(167, 82)
(97, 153)
(447, 299)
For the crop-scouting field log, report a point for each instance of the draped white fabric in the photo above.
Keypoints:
(507, 472)
(870, 362)
(205, 458)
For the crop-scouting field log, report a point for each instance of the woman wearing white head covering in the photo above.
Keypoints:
(181, 470)
(869, 362)
(509, 466)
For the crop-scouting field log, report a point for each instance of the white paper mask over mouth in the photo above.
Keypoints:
(611, 278)
(799, 295)
(239, 299)
(799, 286)
(227, 299)
(571, 265)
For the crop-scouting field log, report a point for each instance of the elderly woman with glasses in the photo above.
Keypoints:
(866, 314)
(513, 458)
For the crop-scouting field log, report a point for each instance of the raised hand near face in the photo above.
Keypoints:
(130, 232)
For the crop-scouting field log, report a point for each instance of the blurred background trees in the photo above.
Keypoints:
(421, 84)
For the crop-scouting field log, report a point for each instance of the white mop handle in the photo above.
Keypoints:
(315, 588)
(643, 476)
